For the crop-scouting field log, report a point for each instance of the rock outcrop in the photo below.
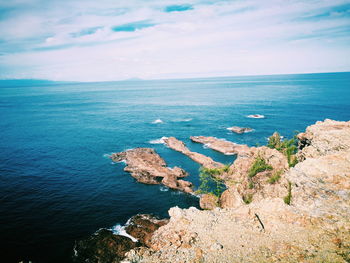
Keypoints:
(310, 224)
(223, 146)
(324, 138)
(240, 130)
(102, 247)
(203, 160)
(142, 227)
(244, 184)
(208, 201)
(146, 166)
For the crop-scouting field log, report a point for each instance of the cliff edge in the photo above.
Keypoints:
(296, 214)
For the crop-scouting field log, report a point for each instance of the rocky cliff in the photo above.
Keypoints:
(303, 215)
(274, 209)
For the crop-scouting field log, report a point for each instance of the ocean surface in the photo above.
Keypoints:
(57, 184)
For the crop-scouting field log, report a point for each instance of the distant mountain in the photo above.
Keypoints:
(29, 82)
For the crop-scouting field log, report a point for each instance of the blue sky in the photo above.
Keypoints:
(84, 40)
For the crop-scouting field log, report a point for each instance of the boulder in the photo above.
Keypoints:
(208, 201)
(143, 226)
(324, 138)
(230, 198)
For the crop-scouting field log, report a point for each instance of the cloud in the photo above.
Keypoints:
(105, 40)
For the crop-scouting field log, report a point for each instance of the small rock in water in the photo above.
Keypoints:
(239, 130)
(256, 116)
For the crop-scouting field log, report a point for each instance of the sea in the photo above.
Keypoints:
(57, 182)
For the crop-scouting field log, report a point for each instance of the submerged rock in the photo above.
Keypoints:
(146, 166)
(102, 247)
(239, 130)
(203, 160)
(223, 146)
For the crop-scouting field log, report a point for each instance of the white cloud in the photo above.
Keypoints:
(223, 38)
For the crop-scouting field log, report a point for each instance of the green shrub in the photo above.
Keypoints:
(288, 198)
(275, 177)
(258, 166)
(247, 198)
(215, 171)
(287, 147)
(209, 184)
(251, 185)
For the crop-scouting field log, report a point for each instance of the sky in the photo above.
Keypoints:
(105, 40)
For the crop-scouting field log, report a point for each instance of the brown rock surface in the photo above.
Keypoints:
(324, 138)
(208, 201)
(223, 146)
(258, 187)
(102, 247)
(143, 226)
(146, 166)
(314, 228)
(203, 160)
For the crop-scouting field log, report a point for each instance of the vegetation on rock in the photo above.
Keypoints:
(275, 177)
(287, 147)
(248, 198)
(258, 166)
(210, 183)
(288, 198)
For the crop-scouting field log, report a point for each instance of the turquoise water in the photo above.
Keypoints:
(57, 184)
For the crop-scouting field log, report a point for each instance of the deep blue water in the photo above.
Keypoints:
(56, 183)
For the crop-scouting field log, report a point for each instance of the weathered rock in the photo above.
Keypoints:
(208, 201)
(240, 130)
(230, 198)
(223, 146)
(203, 160)
(324, 138)
(313, 228)
(146, 166)
(103, 247)
(257, 187)
(143, 226)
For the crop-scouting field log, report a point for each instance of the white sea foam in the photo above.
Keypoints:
(163, 189)
(256, 116)
(120, 230)
(157, 121)
(107, 155)
(158, 141)
(183, 120)
(206, 146)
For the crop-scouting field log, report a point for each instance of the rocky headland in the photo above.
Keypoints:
(281, 205)
(147, 167)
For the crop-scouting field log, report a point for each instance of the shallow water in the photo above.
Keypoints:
(57, 183)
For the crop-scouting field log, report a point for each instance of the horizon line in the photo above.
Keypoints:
(136, 79)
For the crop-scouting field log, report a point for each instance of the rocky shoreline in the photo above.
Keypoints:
(273, 210)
